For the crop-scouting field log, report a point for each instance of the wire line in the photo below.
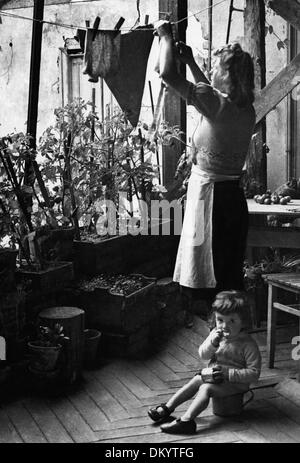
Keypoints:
(73, 26)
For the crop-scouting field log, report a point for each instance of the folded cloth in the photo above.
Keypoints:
(102, 55)
(128, 84)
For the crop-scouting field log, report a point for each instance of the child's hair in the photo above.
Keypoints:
(227, 302)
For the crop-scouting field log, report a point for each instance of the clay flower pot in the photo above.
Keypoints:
(43, 358)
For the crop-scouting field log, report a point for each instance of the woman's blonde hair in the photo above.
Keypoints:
(239, 65)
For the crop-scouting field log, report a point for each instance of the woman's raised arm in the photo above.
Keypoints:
(167, 60)
(186, 56)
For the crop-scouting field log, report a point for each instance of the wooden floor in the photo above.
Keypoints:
(110, 406)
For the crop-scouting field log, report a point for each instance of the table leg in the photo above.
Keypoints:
(271, 328)
(298, 361)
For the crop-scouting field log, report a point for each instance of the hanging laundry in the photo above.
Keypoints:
(80, 36)
(102, 53)
(157, 116)
(128, 84)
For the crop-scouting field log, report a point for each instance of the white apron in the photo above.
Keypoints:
(194, 263)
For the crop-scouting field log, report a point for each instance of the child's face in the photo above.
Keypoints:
(230, 324)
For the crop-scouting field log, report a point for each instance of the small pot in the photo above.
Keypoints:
(43, 358)
(91, 345)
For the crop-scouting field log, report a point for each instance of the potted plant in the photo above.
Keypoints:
(12, 295)
(44, 351)
(28, 220)
(92, 163)
(254, 283)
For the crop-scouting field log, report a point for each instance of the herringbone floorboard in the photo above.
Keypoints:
(111, 404)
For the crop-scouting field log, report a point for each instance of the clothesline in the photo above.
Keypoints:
(72, 26)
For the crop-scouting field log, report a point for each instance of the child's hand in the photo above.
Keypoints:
(216, 337)
(220, 373)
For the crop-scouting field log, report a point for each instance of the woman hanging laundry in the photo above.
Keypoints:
(215, 200)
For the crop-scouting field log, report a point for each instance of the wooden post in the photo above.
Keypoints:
(31, 167)
(175, 107)
(254, 24)
(210, 32)
(34, 80)
(271, 328)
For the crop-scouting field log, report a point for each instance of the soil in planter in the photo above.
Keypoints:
(94, 237)
(123, 285)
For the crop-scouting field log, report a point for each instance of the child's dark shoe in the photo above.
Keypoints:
(180, 427)
(159, 415)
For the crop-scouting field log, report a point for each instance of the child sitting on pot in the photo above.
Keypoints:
(234, 360)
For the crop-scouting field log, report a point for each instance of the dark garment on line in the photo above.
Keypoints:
(127, 85)
(80, 36)
(229, 240)
(102, 55)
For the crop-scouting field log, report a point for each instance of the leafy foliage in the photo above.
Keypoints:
(274, 264)
(50, 337)
(15, 152)
(85, 162)
(95, 161)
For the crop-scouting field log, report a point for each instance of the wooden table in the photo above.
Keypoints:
(262, 235)
(288, 282)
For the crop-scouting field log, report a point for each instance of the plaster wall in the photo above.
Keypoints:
(15, 41)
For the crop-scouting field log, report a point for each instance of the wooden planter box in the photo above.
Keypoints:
(150, 255)
(53, 278)
(117, 313)
(7, 269)
(55, 245)
(92, 258)
(12, 313)
(163, 316)
(132, 345)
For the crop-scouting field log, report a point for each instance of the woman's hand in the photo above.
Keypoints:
(184, 53)
(163, 28)
(216, 337)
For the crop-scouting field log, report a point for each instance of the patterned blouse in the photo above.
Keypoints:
(223, 134)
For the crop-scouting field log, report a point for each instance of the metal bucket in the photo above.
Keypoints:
(91, 346)
(231, 405)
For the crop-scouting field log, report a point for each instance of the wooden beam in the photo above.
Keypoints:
(254, 27)
(31, 167)
(271, 95)
(287, 9)
(175, 107)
